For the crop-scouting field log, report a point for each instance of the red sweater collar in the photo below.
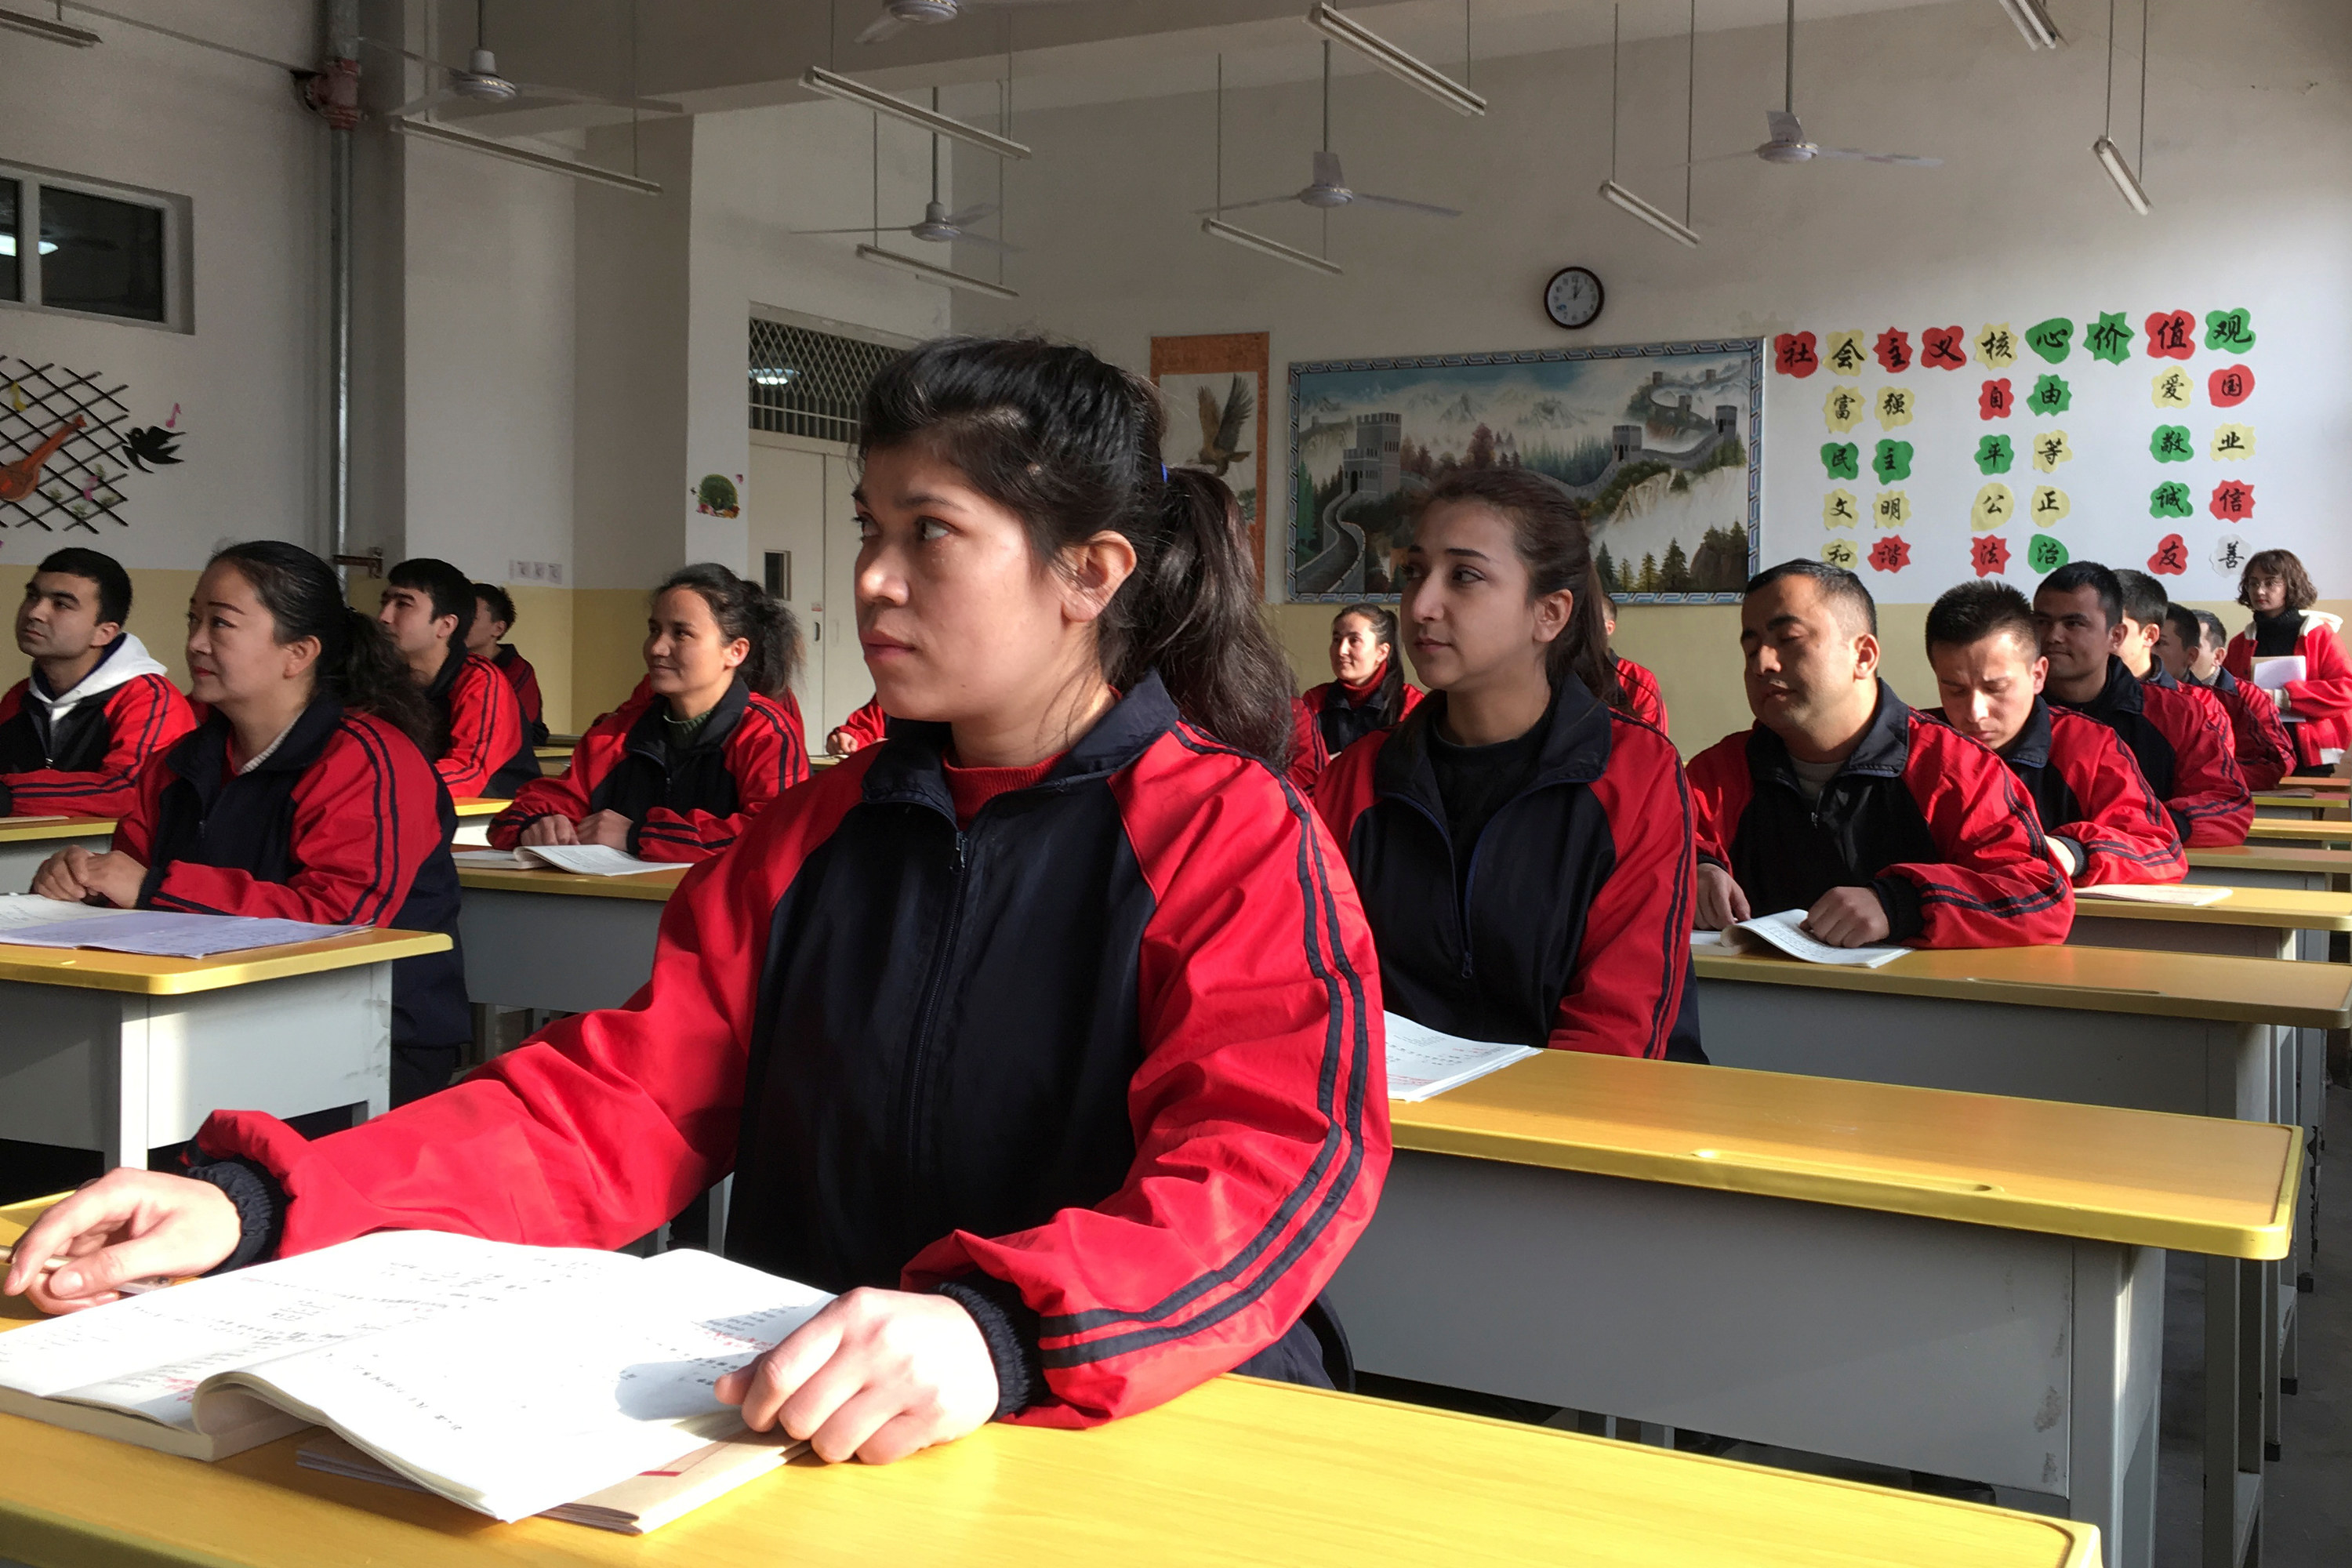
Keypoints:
(972, 788)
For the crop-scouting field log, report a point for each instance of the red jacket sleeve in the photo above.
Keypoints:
(566, 795)
(767, 757)
(144, 716)
(1308, 757)
(2125, 832)
(2210, 801)
(365, 816)
(1643, 698)
(868, 726)
(523, 675)
(1629, 969)
(1994, 884)
(1721, 789)
(2324, 697)
(485, 729)
(1344, 791)
(2264, 749)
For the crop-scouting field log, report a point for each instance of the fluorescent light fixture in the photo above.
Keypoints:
(44, 28)
(931, 274)
(1617, 195)
(1265, 246)
(816, 78)
(2111, 158)
(8, 245)
(426, 131)
(1395, 61)
(2033, 19)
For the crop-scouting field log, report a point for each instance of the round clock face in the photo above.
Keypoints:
(1573, 297)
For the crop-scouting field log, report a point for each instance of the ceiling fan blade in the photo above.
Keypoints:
(1327, 169)
(886, 26)
(408, 53)
(986, 243)
(970, 215)
(867, 229)
(576, 95)
(1718, 158)
(1783, 125)
(1236, 206)
(1856, 155)
(419, 105)
(1400, 204)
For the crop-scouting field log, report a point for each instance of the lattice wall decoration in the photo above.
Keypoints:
(807, 382)
(73, 483)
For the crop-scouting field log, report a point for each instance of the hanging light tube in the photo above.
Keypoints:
(426, 131)
(1618, 196)
(44, 28)
(2111, 158)
(931, 274)
(816, 78)
(1395, 61)
(1265, 246)
(2034, 24)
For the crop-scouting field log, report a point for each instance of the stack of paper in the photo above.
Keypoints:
(586, 859)
(18, 910)
(1785, 932)
(2176, 893)
(162, 933)
(1423, 1064)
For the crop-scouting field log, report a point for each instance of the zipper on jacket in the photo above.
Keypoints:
(917, 1059)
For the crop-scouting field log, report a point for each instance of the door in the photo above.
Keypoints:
(803, 540)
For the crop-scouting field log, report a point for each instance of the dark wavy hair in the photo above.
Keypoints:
(1071, 443)
(2287, 567)
(744, 609)
(1383, 622)
(357, 664)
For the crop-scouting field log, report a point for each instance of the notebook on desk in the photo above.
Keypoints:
(582, 859)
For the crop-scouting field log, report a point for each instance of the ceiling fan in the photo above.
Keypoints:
(938, 225)
(1785, 141)
(1329, 187)
(898, 15)
(481, 81)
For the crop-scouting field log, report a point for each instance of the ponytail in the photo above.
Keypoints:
(744, 609)
(1072, 446)
(357, 664)
(1390, 703)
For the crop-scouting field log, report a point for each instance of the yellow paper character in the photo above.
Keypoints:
(2050, 505)
(1996, 346)
(2233, 443)
(1840, 510)
(1843, 408)
(2050, 449)
(1995, 505)
(1892, 509)
(1841, 553)
(1844, 355)
(2171, 389)
(1894, 406)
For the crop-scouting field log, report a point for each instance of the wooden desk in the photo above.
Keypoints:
(474, 813)
(2334, 834)
(124, 1054)
(1237, 1471)
(1955, 1283)
(25, 845)
(553, 754)
(2272, 866)
(558, 942)
(2320, 784)
(2304, 804)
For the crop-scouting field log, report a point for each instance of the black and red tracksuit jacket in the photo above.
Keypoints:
(485, 751)
(2184, 748)
(1107, 1064)
(344, 824)
(2090, 794)
(1932, 821)
(1573, 928)
(1643, 698)
(686, 806)
(865, 726)
(524, 678)
(88, 764)
(1326, 719)
(2321, 701)
(2263, 750)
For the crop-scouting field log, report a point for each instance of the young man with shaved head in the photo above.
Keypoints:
(2102, 822)
(1882, 825)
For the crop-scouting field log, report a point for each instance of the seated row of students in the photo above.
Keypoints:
(2191, 649)
(479, 745)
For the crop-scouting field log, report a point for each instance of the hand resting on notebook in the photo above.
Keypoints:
(73, 873)
(610, 828)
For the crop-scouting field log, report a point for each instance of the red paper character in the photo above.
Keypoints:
(2171, 557)
(1890, 554)
(1894, 350)
(2233, 501)
(2172, 334)
(1792, 354)
(1943, 348)
(1989, 553)
(1994, 401)
(2229, 386)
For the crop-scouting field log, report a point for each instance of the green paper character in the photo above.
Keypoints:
(2170, 499)
(2045, 554)
(2052, 395)
(2053, 340)
(1995, 455)
(2229, 331)
(2111, 340)
(2170, 444)
(1841, 460)
(1892, 461)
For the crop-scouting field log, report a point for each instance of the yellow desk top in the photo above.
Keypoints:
(14, 831)
(90, 969)
(823, 760)
(552, 754)
(2272, 857)
(2282, 908)
(2273, 990)
(2313, 782)
(478, 806)
(655, 886)
(1237, 1472)
(2290, 830)
(2301, 799)
(2194, 1183)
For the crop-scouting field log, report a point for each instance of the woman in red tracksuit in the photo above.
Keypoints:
(678, 772)
(1522, 847)
(1371, 693)
(2317, 707)
(1048, 1030)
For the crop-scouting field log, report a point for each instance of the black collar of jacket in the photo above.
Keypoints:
(911, 768)
(2032, 747)
(1884, 752)
(2120, 695)
(453, 659)
(648, 739)
(2223, 681)
(1575, 747)
(203, 758)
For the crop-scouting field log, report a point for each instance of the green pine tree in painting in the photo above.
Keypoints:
(1673, 575)
(1647, 583)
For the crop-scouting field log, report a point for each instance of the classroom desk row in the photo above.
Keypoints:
(25, 845)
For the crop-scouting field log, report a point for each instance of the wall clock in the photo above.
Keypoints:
(1573, 297)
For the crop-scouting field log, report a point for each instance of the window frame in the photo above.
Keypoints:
(179, 245)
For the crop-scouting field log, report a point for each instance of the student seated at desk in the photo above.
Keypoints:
(2102, 822)
(75, 734)
(2317, 703)
(494, 617)
(1644, 700)
(2182, 747)
(866, 727)
(2191, 650)
(477, 745)
(679, 773)
(303, 796)
(1883, 825)
(1369, 693)
(1048, 1030)
(1523, 849)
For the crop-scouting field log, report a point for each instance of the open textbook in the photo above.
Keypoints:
(586, 859)
(28, 919)
(1424, 1063)
(2181, 894)
(508, 1379)
(1785, 933)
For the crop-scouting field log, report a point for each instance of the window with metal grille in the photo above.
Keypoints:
(807, 382)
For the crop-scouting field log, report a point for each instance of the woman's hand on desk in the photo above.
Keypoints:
(1848, 917)
(877, 1374)
(609, 828)
(127, 1225)
(549, 830)
(73, 874)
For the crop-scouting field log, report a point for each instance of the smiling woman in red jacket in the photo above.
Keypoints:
(1523, 847)
(1048, 1029)
(677, 773)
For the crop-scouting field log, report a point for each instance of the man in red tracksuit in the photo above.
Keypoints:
(75, 736)
(2102, 822)
(1882, 825)
(485, 637)
(2191, 651)
(2181, 745)
(484, 752)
